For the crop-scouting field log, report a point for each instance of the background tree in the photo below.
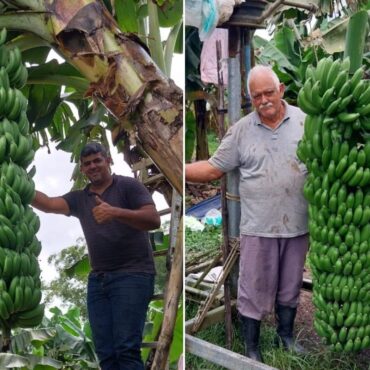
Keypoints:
(64, 290)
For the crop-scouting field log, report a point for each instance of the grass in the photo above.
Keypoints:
(318, 359)
(214, 334)
(213, 142)
(208, 239)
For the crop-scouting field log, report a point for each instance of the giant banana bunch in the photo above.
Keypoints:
(337, 155)
(20, 293)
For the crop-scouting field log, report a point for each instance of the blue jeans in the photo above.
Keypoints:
(117, 304)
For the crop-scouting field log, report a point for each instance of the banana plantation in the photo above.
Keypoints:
(113, 83)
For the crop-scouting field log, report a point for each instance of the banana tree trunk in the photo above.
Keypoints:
(122, 75)
(201, 127)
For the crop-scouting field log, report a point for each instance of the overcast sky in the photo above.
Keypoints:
(53, 173)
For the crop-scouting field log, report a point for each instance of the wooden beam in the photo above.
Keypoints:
(152, 179)
(197, 268)
(164, 211)
(190, 281)
(162, 252)
(213, 316)
(221, 356)
(204, 294)
(157, 297)
(149, 344)
(145, 162)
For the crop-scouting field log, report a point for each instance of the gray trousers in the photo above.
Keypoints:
(270, 271)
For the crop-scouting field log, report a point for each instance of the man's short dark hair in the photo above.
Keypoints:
(93, 148)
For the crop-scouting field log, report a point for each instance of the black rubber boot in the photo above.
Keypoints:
(285, 323)
(251, 333)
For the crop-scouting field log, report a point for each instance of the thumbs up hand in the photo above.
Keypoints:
(102, 212)
(98, 200)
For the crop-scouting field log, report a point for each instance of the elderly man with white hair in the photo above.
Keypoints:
(273, 225)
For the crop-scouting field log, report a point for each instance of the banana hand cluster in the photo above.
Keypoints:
(20, 285)
(11, 61)
(337, 156)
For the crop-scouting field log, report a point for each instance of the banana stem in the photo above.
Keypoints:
(170, 47)
(6, 335)
(154, 42)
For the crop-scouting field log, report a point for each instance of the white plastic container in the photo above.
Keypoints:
(213, 217)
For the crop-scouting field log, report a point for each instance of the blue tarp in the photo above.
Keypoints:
(199, 210)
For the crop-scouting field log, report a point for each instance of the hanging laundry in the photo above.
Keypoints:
(208, 57)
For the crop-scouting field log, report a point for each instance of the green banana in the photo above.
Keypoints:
(15, 59)
(333, 73)
(306, 105)
(35, 312)
(364, 97)
(20, 283)
(3, 34)
(340, 80)
(336, 151)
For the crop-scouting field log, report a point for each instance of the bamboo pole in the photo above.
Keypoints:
(229, 263)
(173, 293)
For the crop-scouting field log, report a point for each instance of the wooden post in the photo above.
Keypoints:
(225, 245)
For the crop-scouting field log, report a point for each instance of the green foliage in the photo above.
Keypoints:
(155, 318)
(199, 241)
(193, 48)
(170, 13)
(161, 274)
(213, 142)
(70, 289)
(64, 342)
(41, 110)
(8, 360)
(73, 341)
(288, 58)
(126, 13)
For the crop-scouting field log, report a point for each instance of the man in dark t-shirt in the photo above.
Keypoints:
(115, 213)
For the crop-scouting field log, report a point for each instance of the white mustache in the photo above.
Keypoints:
(269, 104)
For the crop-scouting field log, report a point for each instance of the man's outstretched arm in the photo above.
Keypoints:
(202, 171)
(50, 204)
